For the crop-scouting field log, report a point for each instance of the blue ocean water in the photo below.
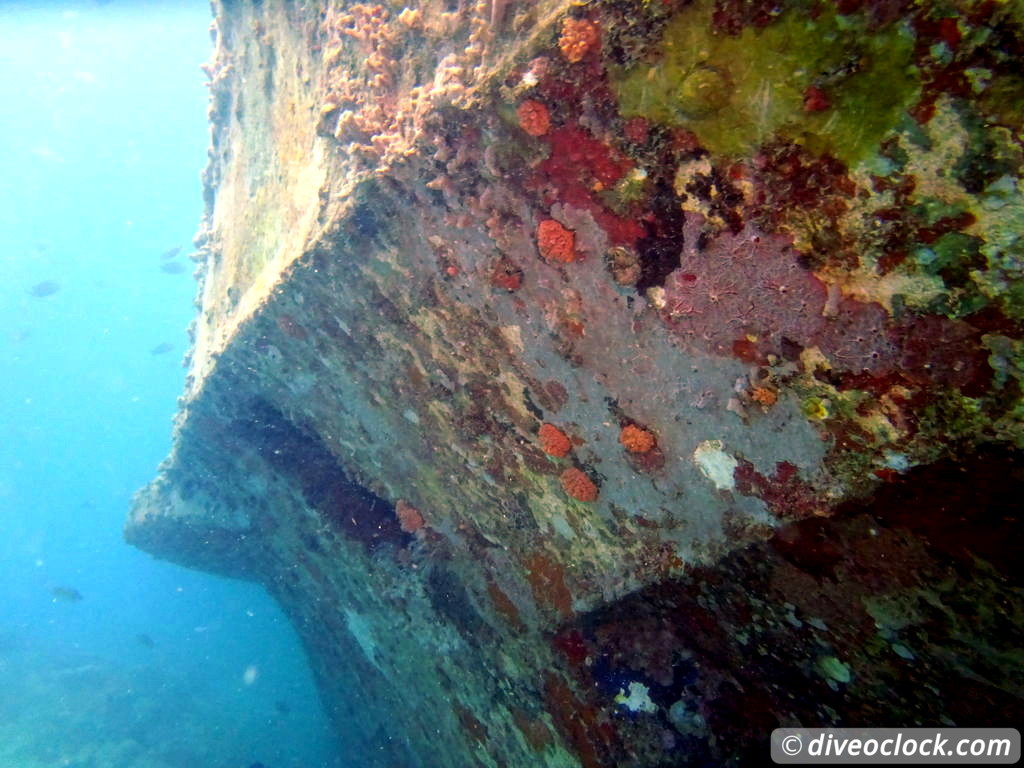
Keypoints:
(104, 133)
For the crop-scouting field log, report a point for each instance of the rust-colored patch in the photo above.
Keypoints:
(765, 396)
(815, 100)
(547, 582)
(575, 721)
(571, 644)
(637, 130)
(533, 728)
(470, 725)
(504, 606)
(536, 460)
(573, 328)
(547, 395)
(409, 518)
(788, 496)
(506, 275)
(648, 461)
(289, 327)
(748, 351)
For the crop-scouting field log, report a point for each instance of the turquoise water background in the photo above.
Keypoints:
(104, 133)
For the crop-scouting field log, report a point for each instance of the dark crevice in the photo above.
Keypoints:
(303, 458)
(450, 599)
(659, 249)
(737, 649)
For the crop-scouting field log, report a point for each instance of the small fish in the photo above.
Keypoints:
(162, 348)
(170, 253)
(282, 707)
(251, 674)
(172, 267)
(66, 595)
(146, 640)
(45, 288)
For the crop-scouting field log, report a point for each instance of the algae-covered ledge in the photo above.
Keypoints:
(536, 322)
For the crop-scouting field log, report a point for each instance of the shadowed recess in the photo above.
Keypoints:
(302, 456)
(828, 616)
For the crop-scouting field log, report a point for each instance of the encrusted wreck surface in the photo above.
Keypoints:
(609, 384)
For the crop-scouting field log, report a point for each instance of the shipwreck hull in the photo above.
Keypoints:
(579, 378)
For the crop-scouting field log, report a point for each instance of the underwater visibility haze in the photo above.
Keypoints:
(109, 657)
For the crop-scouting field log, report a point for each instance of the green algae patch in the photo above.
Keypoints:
(1007, 363)
(1002, 213)
(833, 669)
(827, 82)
